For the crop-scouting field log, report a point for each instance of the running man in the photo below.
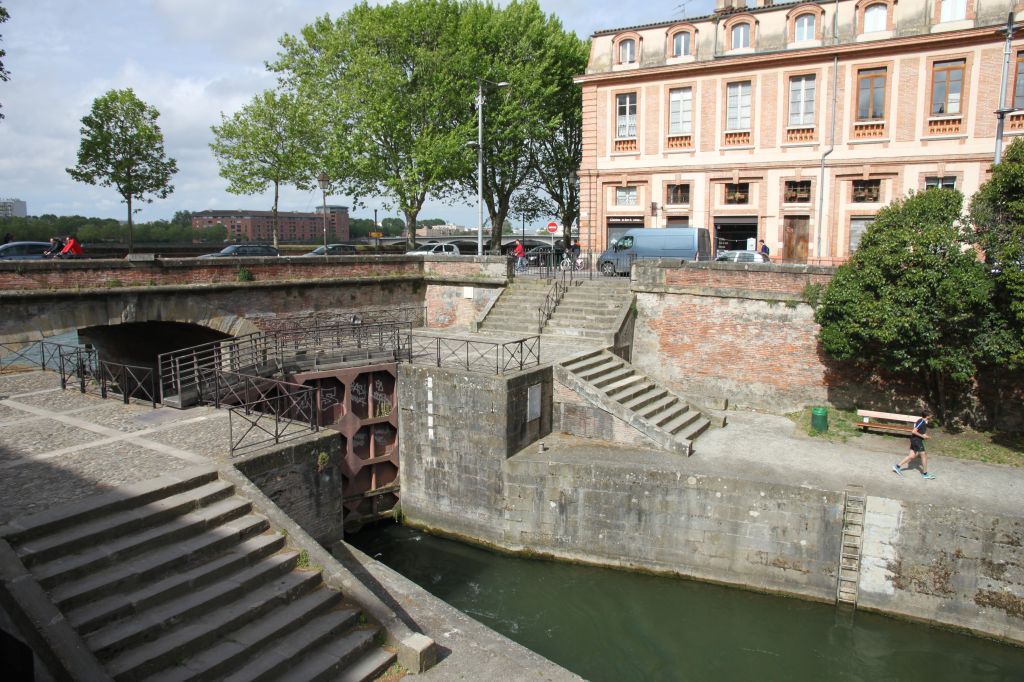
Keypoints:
(917, 438)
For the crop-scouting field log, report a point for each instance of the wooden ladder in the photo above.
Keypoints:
(854, 500)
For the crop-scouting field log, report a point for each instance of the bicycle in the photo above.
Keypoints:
(569, 264)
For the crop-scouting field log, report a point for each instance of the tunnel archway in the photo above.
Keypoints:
(140, 343)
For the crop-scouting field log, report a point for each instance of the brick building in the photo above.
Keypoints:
(793, 123)
(258, 226)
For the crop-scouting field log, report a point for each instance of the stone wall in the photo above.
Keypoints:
(575, 416)
(304, 485)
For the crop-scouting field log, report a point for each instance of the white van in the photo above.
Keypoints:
(684, 243)
(435, 249)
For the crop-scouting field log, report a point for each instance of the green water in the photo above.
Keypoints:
(610, 625)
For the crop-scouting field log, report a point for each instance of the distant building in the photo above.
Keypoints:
(13, 208)
(258, 226)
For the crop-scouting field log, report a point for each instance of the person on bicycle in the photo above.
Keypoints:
(520, 254)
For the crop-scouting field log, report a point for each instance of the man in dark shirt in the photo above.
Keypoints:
(764, 248)
(917, 439)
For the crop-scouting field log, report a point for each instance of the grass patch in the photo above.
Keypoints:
(393, 673)
(841, 426)
(979, 446)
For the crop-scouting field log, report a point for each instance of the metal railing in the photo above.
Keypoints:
(260, 409)
(551, 301)
(180, 371)
(41, 354)
(474, 355)
(127, 381)
(76, 363)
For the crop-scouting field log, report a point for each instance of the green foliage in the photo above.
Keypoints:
(362, 227)
(912, 300)
(272, 141)
(812, 294)
(303, 560)
(997, 218)
(122, 147)
(96, 230)
(245, 275)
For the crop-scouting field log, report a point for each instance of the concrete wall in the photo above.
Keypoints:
(304, 487)
(571, 414)
(950, 566)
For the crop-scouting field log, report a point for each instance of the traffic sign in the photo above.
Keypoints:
(552, 227)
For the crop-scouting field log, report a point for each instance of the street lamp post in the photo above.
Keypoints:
(480, 160)
(1003, 110)
(324, 183)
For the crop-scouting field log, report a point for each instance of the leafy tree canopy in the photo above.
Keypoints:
(4, 73)
(913, 299)
(122, 146)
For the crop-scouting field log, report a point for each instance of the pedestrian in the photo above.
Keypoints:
(8, 238)
(764, 248)
(917, 438)
(72, 249)
(520, 254)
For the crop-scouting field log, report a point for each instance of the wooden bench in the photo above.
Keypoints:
(905, 422)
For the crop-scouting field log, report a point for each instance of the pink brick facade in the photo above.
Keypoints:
(819, 130)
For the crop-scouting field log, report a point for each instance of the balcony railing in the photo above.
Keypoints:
(737, 138)
(801, 134)
(945, 126)
(679, 142)
(629, 145)
(866, 130)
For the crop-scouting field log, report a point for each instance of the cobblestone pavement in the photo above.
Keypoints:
(61, 445)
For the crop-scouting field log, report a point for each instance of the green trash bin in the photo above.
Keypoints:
(819, 419)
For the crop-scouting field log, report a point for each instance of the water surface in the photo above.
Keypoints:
(608, 625)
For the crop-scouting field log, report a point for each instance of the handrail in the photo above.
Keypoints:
(551, 301)
(477, 355)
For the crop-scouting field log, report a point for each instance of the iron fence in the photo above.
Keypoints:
(475, 355)
(77, 363)
(551, 301)
(41, 354)
(127, 381)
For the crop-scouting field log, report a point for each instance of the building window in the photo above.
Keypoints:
(677, 194)
(626, 196)
(797, 192)
(858, 226)
(740, 36)
(681, 44)
(1018, 83)
(876, 17)
(871, 94)
(627, 51)
(738, 116)
(626, 115)
(680, 111)
(953, 10)
(801, 100)
(947, 86)
(867, 191)
(805, 27)
(940, 182)
(737, 193)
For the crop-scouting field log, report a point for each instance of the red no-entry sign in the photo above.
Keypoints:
(552, 227)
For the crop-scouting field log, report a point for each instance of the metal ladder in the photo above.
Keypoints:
(854, 501)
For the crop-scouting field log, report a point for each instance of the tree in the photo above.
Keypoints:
(383, 79)
(182, 219)
(271, 141)
(912, 300)
(525, 125)
(5, 75)
(997, 218)
(122, 146)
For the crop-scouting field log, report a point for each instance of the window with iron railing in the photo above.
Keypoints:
(737, 193)
(867, 191)
(797, 192)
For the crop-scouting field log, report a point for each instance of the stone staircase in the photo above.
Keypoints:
(591, 309)
(182, 581)
(616, 386)
(516, 308)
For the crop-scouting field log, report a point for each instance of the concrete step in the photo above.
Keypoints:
(93, 615)
(577, 332)
(613, 376)
(641, 400)
(691, 431)
(632, 391)
(118, 523)
(583, 363)
(368, 667)
(57, 518)
(340, 658)
(279, 662)
(680, 420)
(88, 560)
(609, 364)
(656, 407)
(127, 575)
(615, 388)
(222, 640)
(258, 584)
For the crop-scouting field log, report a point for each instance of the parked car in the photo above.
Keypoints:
(333, 250)
(23, 250)
(542, 255)
(435, 249)
(742, 257)
(244, 251)
(685, 243)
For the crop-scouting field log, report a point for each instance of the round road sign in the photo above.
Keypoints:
(552, 227)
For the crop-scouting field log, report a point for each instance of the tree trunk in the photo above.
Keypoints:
(410, 226)
(131, 240)
(277, 194)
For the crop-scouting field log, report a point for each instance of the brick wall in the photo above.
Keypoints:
(754, 281)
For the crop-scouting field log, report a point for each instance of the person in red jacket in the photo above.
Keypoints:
(71, 248)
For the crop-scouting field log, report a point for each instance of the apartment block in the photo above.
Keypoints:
(793, 123)
(293, 226)
(13, 208)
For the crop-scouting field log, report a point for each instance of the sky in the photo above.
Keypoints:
(192, 60)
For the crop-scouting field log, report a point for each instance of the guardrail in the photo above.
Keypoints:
(551, 301)
(475, 355)
(41, 354)
(127, 381)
